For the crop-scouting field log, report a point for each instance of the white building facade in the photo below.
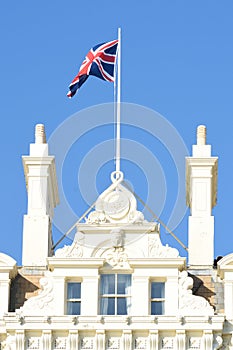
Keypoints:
(116, 286)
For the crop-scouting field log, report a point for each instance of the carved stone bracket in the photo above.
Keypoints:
(190, 304)
(43, 303)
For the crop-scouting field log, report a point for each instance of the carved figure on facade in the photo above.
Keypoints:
(190, 304)
(75, 250)
(157, 250)
(43, 303)
(117, 238)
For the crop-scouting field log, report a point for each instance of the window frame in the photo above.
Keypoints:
(73, 300)
(115, 295)
(161, 300)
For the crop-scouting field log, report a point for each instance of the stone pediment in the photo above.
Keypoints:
(116, 222)
(116, 205)
(141, 243)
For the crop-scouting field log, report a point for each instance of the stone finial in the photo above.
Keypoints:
(40, 136)
(201, 135)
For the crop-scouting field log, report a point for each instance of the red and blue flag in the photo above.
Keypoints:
(100, 62)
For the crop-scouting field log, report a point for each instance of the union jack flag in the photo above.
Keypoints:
(100, 62)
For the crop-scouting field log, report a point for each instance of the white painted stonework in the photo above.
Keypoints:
(7, 272)
(116, 240)
(40, 175)
(201, 189)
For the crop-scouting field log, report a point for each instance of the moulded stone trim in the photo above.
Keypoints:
(7, 264)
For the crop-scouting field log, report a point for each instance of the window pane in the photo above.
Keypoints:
(73, 290)
(121, 306)
(107, 306)
(157, 290)
(73, 307)
(107, 284)
(123, 284)
(157, 308)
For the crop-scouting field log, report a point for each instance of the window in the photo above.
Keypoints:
(115, 294)
(73, 298)
(157, 298)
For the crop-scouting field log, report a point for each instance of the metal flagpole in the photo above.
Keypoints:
(118, 107)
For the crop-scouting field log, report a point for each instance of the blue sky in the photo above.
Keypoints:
(177, 60)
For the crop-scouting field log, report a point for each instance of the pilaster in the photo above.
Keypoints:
(180, 340)
(73, 340)
(207, 339)
(20, 339)
(154, 339)
(127, 340)
(47, 339)
(100, 339)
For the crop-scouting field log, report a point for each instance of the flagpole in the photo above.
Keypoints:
(118, 107)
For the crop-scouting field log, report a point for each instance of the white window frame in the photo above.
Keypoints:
(78, 300)
(114, 295)
(157, 300)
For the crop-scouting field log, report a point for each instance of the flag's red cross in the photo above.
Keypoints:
(102, 59)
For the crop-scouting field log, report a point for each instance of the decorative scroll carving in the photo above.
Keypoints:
(43, 303)
(75, 250)
(117, 258)
(157, 250)
(136, 217)
(116, 204)
(190, 304)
